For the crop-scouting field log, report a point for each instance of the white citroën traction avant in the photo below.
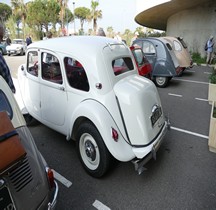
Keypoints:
(88, 88)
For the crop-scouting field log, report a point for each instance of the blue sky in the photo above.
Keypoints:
(119, 14)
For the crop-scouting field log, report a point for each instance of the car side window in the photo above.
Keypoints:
(148, 48)
(76, 74)
(32, 63)
(138, 54)
(51, 69)
(122, 65)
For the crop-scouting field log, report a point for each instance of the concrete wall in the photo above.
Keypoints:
(195, 26)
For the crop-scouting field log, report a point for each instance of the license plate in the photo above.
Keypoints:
(156, 115)
(5, 199)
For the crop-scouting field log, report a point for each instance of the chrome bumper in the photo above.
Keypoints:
(52, 204)
(139, 163)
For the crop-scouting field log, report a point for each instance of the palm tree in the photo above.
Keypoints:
(82, 14)
(19, 10)
(63, 4)
(95, 14)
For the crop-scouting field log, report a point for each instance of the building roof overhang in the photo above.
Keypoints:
(157, 16)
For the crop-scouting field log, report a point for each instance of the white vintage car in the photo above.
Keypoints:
(17, 47)
(88, 88)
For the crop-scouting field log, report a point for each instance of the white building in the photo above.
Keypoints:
(194, 20)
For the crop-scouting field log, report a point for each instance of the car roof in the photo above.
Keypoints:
(92, 44)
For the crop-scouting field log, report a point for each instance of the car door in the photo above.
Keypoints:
(52, 91)
(29, 84)
(150, 52)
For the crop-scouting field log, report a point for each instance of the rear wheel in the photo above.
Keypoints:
(161, 81)
(92, 151)
(1, 51)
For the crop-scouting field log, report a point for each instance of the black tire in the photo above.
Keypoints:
(92, 151)
(30, 121)
(1, 51)
(22, 52)
(161, 81)
(8, 54)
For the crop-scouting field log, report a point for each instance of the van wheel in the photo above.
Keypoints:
(161, 81)
(92, 151)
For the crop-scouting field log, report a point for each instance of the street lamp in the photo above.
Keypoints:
(74, 17)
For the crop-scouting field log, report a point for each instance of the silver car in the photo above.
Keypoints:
(31, 184)
(17, 47)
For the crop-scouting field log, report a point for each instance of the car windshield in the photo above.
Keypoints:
(122, 65)
(17, 42)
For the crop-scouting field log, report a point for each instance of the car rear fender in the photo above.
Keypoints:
(96, 113)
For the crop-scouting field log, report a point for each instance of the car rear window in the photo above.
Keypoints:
(122, 65)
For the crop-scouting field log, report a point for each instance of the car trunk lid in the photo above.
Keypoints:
(141, 109)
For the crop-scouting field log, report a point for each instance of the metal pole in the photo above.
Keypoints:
(74, 17)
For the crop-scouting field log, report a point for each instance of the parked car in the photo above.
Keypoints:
(88, 88)
(180, 49)
(144, 67)
(161, 55)
(3, 50)
(27, 183)
(17, 47)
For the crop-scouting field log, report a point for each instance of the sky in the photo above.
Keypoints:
(119, 14)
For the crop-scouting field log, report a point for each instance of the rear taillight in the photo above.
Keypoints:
(50, 177)
(114, 134)
(179, 70)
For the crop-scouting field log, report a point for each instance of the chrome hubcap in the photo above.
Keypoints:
(90, 150)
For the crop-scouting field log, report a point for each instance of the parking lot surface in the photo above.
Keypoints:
(182, 177)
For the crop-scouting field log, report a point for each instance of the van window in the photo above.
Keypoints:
(182, 42)
(169, 46)
(51, 69)
(76, 74)
(32, 63)
(148, 48)
(122, 65)
(177, 46)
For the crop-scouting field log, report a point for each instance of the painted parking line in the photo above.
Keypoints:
(201, 99)
(100, 206)
(176, 95)
(205, 72)
(61, 179)
(192, 71)
(192, 81)
(189, 132)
